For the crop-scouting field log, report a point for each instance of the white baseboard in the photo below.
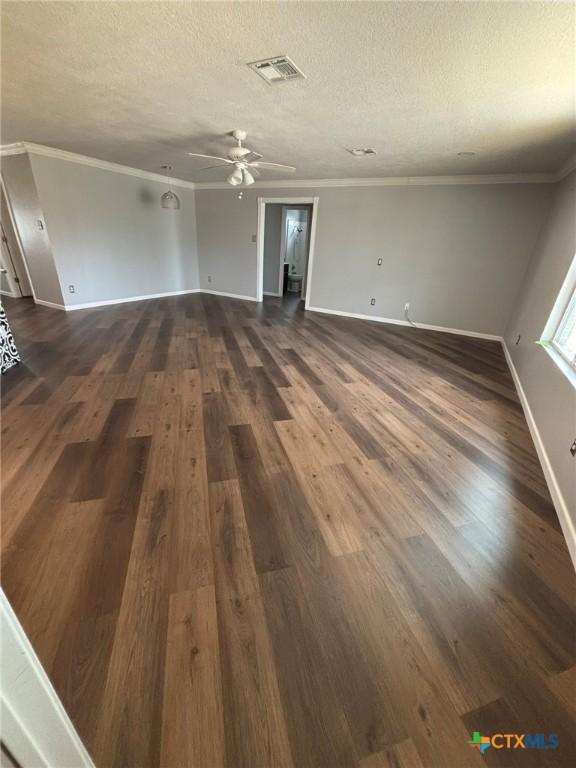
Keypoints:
(50, 304)
(229, 295)
(272, 293)
(393, 321)
(8, 293)
(566, 523)
(109, 302)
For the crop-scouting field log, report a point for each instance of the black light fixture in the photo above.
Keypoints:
(169, 199)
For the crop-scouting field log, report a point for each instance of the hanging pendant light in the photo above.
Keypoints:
(169, 199)
(248, 178)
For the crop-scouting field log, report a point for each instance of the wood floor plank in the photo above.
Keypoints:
(563, 686)
(79, 670)
(17, 496)
(145, 411)
(361, 687)
(416, 689)
(46, 555)
(245, 535)
(131, 735)
(191, 551)
(106, 450)
(254, 725)
(192, 722)
(317, 727)
(307, 449)
(430, 595)
(255, 487)
(334, 511)
(219, 456)
(403, 755)
(111, 543)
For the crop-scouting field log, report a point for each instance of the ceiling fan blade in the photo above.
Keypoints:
(273, 166)
(209, 167)
(256, 156)
(210, 157)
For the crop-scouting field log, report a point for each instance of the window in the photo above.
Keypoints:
(559, 334)
(564, 340)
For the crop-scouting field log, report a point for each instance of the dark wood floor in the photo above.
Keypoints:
(246, 535)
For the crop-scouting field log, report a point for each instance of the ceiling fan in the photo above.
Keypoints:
(246, 163)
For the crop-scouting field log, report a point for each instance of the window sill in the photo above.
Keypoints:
(564, 366)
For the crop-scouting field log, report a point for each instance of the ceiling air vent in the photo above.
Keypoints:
(276, 70)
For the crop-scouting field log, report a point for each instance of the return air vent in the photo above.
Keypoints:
(276, 70)
(362, 152)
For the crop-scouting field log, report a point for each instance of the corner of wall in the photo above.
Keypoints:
(546, 394)
(29, 221)
(567, 523)
(525, 276)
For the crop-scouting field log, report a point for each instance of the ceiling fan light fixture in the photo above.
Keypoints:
(235, 178)
(246, 163)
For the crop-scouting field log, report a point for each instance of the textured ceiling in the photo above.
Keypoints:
(139, 83)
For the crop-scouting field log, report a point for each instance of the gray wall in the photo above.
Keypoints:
(26, 208)
(272, 246)
(456, 253)
(110, 237)
(550, 394)
(226, 252)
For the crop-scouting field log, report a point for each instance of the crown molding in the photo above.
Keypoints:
(12, 149)
(568, 167)
(19, 148)
(392, 181)
(105, 165)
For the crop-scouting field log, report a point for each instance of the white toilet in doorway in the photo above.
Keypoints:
(294, 283)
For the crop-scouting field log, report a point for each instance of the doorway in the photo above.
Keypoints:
(294, 249)
(14, 279)
(285, 246)
(8, 280)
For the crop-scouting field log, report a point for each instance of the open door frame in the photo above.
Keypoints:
(16, 233)
(35, 727)
(262, 201)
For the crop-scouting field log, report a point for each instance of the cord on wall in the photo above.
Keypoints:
(407, 315)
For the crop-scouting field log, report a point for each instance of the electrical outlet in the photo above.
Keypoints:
(379, 262)
(573, 448)
(518, 339)
(209, 278)
(372, 301)
(71, 289)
